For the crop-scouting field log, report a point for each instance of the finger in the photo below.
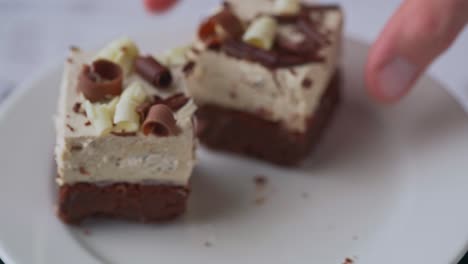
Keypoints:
(158, 6)
(416, 35)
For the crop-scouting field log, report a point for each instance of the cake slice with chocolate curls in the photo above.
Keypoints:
(130, 153)
(265, 77)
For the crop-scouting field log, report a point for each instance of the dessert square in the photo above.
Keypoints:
(265, 77)
(125, 137)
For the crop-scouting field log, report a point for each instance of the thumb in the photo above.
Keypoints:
(416, 35)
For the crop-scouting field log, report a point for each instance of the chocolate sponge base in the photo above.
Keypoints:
(136, 202)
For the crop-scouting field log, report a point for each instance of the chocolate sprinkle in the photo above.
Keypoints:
(124, 134)
(306, 83)
(83, 171)
(188, 68)
(88, 123)
(242, 50)
(77, 107)
(71, 128)
(153, 71)
(260, 181)
(232, 94)
(76, 148)
(268, 58)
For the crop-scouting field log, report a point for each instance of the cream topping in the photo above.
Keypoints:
(289, 95)
(83, 155)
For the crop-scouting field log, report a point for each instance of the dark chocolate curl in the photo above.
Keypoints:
(153, 72)
(242, 50)
(100, 81)
(176, 101)
(229, 22)
(160, 121)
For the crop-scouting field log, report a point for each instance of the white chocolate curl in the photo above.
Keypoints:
(261, 33)
(176, 56)
(122, 52)
(126, 118)
(100, 115)
(185, 114)
(286, 7)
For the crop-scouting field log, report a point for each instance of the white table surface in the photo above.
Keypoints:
(34, 33)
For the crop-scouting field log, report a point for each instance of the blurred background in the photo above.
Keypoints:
(37, 33)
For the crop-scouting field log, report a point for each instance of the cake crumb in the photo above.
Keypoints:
(260, 181)
(74, 48)
(348, 261)
(306, 83)
(76, 148)
(83, 171)
(355, 237)
(208, 244)
(260, 200)
(232, 94)
(71, 128)
(77, 107)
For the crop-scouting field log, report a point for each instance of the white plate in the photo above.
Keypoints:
(387, 185)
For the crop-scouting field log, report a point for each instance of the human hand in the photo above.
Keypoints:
(158, 6)
(414, 37)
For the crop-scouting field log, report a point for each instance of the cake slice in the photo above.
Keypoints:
(125, 137)
(265, 77)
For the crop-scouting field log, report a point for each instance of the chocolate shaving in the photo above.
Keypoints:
(242, 50)
(195, 50)
(160, 121)
(76, 148)
(100, 81)
(88, 123)
(143, 109)
(306, 83)
(188, 68)
(268, 58)
(229, 23)
(77, 107)
(260, 181)
(153, 71)
(83, 171)
(124, 134)
(176, 101)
